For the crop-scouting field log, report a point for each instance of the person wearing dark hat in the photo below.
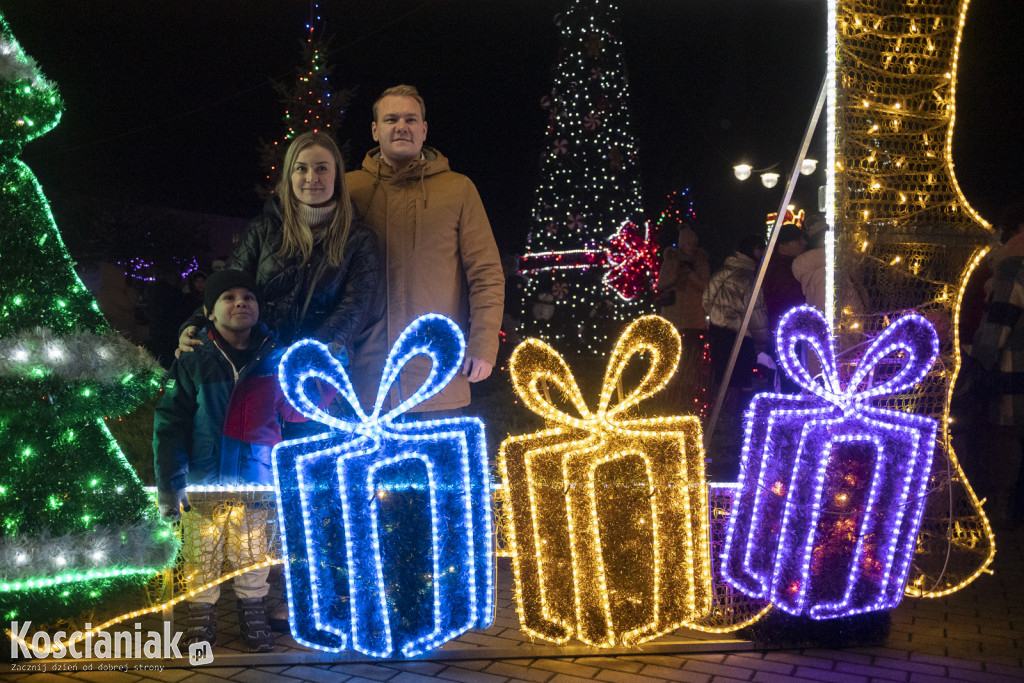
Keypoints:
(781, 289)
(216, 423)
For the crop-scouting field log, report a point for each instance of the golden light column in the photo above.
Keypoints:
(907, 238)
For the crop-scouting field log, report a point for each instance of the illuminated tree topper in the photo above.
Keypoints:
(839, 483)
(385, 521)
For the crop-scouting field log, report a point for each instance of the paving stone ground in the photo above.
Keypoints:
(975, 634)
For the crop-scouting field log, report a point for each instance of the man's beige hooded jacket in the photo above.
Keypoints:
(440, 257)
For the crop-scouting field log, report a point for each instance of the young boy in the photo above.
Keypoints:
(216, 424)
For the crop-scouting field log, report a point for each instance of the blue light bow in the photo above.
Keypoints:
(432, 335)
(839, 482)
(354, 475)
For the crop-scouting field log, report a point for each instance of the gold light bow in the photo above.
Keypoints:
(609, 512)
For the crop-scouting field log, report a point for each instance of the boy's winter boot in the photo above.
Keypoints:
(278, 618)
(201, 625)
(252, 624)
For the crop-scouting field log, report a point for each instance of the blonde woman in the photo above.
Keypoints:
(318, 266)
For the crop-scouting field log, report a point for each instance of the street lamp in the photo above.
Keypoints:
(768, 178)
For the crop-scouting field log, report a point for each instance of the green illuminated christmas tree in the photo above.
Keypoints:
(311, 105)
(585, 281)
(77, 524)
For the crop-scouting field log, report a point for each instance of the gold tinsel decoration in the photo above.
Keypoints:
(609, 512)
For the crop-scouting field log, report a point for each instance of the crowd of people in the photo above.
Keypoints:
(989, 396)
(988, 400)
(708, 308)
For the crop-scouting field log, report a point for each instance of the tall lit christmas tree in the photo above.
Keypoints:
(311, 104)
(589, 270)
(77, 525)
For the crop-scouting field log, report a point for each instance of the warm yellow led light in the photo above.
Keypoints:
(57, 644)
(908, 231)
(959, 533)
(609, 518)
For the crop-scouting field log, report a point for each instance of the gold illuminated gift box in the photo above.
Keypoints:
(609, 511)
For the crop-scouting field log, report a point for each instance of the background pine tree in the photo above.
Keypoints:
(311, 105)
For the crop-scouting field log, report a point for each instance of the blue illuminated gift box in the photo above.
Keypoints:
(386, 521)
(832, 488)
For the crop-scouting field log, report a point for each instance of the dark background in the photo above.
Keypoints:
(166, 102)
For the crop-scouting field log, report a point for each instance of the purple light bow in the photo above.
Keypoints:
(911, 334)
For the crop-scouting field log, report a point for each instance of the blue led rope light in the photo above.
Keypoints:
(793, 485)
(330, 490)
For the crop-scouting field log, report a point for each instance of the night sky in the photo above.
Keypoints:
(166, 102)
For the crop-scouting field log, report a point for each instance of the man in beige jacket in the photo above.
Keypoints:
(440, 254)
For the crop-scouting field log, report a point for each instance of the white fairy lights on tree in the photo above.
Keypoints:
(589, 187)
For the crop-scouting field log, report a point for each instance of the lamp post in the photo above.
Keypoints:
(742, 171)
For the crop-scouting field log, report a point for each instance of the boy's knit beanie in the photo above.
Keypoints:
(223, 280)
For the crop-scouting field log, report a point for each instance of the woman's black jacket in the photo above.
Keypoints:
(345, 300)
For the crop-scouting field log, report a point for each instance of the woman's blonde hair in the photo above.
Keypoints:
(298, 237)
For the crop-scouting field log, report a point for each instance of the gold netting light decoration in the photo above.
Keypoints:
(221, 534)
(501, 521)
(609, 513)
(229, 532)
(907, 237)
(730, 610)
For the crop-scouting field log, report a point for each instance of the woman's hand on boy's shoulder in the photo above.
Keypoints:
(171, 503)
(189, 338)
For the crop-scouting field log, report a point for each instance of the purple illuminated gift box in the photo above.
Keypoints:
(832, 488)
